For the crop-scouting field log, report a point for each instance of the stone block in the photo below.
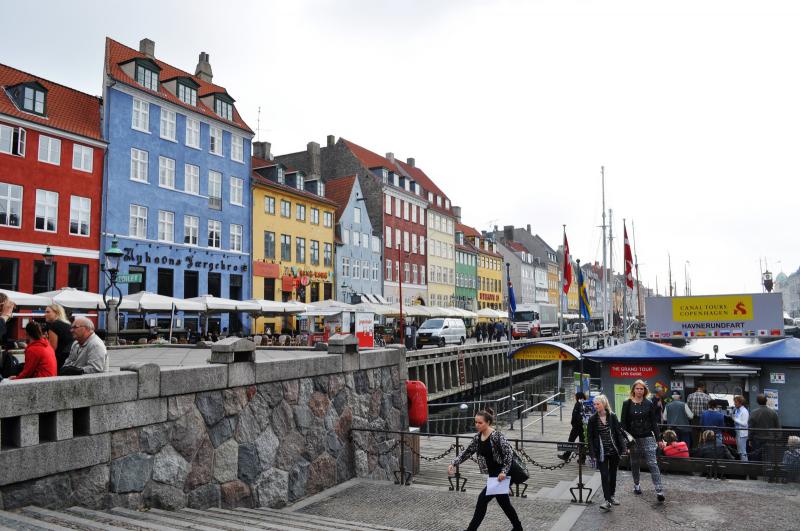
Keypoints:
(131, 473)
(170, 468)
(380, 358)
(184, 380)
(28, 430)
(21, 464)
(233, 344)
(149, 385)
(226, 462)
(342, 344)
(64, 425)
(42, 395)
(241, 374)
(113, 417)
(205, 497)
(275, 371)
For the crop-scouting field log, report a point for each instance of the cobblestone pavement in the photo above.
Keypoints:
(698, 503)
(425, 509)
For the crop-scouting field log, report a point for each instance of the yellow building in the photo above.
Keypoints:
(293, 239)
(553, 284)
(490, 270)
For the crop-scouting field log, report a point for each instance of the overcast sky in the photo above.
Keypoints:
(511, 107)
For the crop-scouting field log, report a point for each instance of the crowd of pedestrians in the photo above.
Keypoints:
(491, 331)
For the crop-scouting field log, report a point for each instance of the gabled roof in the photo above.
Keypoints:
(427, 185)
(339, 191)
(68, 110)
(516, 247)
(466, 247)
(468, 231)
(117, 54)
(371, 159)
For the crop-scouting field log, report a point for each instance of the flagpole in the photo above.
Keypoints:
(605, 270)
(625, 286)
(580, 328)
(508, 350)
(561, 304)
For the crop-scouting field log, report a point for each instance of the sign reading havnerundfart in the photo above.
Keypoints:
(743, 315)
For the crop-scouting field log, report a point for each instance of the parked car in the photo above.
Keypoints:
(440, 332)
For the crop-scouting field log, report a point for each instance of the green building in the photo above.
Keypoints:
(466, 274)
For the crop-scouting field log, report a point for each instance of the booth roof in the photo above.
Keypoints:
(782, 350)
(642, 349)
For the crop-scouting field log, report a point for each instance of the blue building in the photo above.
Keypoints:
(176, 189)
(358, 248)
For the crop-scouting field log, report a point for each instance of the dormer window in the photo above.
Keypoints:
(396, 180)
(447, 203)
(321, 189)
(301, 182)
(223, 107)
(281, 177)
(430, 197)
(146, 77)
(438, 201)
(33, 100)
(385, 175)
(187, 94)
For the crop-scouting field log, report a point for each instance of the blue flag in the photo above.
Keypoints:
(512, 302)
(586, 310)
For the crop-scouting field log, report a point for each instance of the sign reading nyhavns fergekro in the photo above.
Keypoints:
(190, 261)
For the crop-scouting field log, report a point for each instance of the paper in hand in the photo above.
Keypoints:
(494, 486)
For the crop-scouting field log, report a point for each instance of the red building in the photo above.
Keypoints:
(51, 174)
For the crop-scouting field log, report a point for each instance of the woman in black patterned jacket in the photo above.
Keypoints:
(493, 453)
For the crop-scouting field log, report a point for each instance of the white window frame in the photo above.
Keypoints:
(345, 266)
(82, 158)
(356, 239)
(80, 211)
(168, 125)
(137, 223)
(237, 191)
(191, 179)
(376, 244)
(406, 211)
(269, 204)
(388, 237)
(356, 215)
(166, 172)
(166, 226)
(8, 201)
(214, 227)
(414, 213)
(52, 150)
(237, 237)
(191, 229)
(398, 208)
(388, 270)
(7, 140)
(192, 132)
(314, 216)
(365, 240)
(286, 208)
(215, 184)
(397, 238)
(327, 219)
(140, 116)
(406, 242)
(300, 212)
(47, 208)
(346, 236)
(388, 208)
(237, 148)
(215, 141)
(140, 160)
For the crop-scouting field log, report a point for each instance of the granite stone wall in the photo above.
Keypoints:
(265, 443)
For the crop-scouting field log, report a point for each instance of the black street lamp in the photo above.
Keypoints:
(48, 263)
(111, 267)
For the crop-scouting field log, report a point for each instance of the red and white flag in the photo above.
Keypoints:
(567, 280)
(628, 260)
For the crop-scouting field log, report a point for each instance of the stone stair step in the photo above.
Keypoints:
(176, 523)
(66, 519)
(311, 522)
(246, 516)
(199, 519)
(20, 521)
(238, 521)
(561, 487)
(122, 521)
(330, 521)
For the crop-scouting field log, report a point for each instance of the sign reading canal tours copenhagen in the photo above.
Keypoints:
(744, 315)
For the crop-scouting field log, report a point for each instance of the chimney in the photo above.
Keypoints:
(262, 150)
(529, 228)
(508, 233)
(456, 211)
(411, 161)
(390, 156)
(148, 47)
(331, 140)
(203, 70)
(314, 161)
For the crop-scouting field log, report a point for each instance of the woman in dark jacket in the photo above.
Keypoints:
(639, 418)
(58, 332)
(606, 446)
(576, 422)
(494, 454)
(710, 449)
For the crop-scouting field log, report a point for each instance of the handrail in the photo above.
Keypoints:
(548, 399)
(476, 401)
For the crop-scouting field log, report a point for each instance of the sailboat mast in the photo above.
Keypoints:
(611, 265)
(605, 270)
(669, 265)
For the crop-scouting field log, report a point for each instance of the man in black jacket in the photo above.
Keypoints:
(577, 423)
(6, 311)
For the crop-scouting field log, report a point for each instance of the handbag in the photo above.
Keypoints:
(630, 440)
(519, 470)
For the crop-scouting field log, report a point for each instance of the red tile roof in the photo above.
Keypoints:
(371, 159)
(67, 109)
(424, 181)
(338, 191)
(516, 247)
(467, 230)
(467, 247)
(117, 53)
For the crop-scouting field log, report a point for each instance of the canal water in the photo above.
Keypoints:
(454, 416)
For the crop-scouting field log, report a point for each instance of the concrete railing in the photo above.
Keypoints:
(232, 432)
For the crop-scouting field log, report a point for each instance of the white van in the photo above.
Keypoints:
(441, 331)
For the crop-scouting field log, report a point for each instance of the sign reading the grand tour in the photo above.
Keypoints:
(742, 315)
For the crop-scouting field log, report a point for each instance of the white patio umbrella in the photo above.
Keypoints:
(268, 306)
(75, 299)
(377, 309)
(490, 313)
(25, 300)
(145, 301)
(219, 304)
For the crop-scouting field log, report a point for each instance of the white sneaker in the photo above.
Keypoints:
(605, 506)
(613, 500)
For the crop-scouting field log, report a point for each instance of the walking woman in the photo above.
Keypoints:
(640, 419)
(58, 332)
(606, 446)
(493, 453)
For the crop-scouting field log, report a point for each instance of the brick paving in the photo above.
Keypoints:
(427, 509)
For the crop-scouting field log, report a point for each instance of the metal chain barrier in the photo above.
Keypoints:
(532, 461)
(369, 451)
(428, 458)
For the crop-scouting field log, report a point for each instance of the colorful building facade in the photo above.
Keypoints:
(177, 179)
(51, 171)
(490, 269)
(466, 272)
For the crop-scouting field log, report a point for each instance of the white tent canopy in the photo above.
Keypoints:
(278, 307)
(219, 304)
(25, 300)
(145, 301)
(76, 299)
(377, 309)
(490, 313)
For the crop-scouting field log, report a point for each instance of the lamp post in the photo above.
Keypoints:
(113, 256)
(48, 262)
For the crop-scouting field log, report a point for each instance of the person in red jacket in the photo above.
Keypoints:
(40, 358)
(672, 446)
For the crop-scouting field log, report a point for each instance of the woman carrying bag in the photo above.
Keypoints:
(606, 445)
(494, 455)
(639, 418)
